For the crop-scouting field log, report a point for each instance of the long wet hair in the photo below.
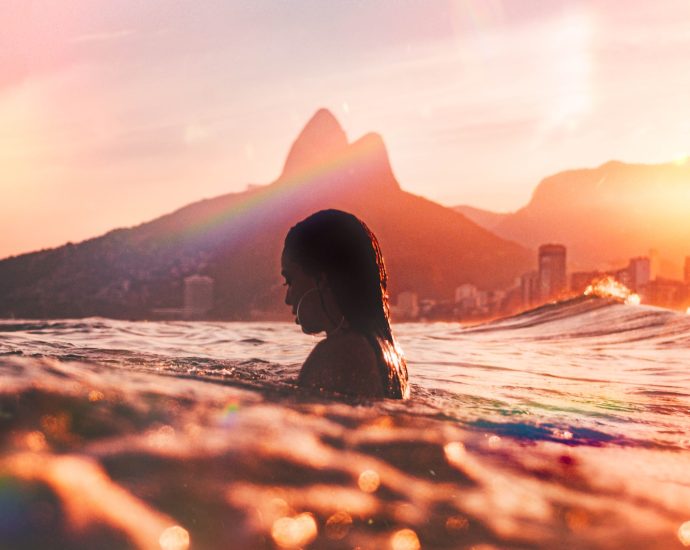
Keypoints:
(343, 248)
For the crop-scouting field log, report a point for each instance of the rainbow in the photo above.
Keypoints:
(284, 188)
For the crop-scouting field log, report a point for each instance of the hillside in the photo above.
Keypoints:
(606, 215)
(237, 240)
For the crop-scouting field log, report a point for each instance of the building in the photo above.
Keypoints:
(407, 306)
(552, 274)
(687, 270)
(466, 298)
(464, 292)
(639, 271)
(654, 263)
(198, 295)
(666, 293)
(529, 289)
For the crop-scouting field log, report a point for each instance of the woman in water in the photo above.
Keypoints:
(336, 283)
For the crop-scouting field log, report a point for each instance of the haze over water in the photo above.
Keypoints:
(563, 427)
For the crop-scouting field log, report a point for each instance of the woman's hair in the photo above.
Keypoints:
(342, 247)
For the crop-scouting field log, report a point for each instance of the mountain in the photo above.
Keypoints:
(483, 218)
(605, 215)
(237, 239)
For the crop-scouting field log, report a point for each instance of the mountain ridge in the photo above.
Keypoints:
(237, 238)
(605, 215)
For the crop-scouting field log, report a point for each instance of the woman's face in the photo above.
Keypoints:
(303, 294)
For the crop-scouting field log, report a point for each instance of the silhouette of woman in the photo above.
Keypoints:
(336, 282)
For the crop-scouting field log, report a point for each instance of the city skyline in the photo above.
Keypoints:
(113, 115)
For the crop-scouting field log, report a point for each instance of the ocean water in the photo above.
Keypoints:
(564, 427)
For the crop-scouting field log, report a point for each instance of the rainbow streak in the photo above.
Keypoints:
(285, 188)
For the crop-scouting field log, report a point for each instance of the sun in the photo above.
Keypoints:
(680, 159)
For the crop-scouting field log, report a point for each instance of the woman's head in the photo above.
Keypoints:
(334, 268)
(338, 251)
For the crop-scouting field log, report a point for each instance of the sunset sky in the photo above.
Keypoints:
(112, 113)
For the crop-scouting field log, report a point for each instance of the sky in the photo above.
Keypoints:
(113, 113)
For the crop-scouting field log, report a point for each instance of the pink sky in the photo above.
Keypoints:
(112, 113)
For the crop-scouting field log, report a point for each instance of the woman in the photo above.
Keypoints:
(336, 283)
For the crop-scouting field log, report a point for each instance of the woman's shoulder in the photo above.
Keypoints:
(350, 344)
(346, 363)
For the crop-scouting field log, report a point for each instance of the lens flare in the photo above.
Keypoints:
(228, 415)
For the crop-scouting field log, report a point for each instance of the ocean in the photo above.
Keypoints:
(564, 427)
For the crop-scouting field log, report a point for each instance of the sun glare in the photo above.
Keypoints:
(680, 159)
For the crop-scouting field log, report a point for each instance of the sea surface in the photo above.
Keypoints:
(564, 427)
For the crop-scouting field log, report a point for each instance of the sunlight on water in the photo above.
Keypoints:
(565, 426)
(405, 539)
(455, 453)
(294, 532)
(369, 481)
(174, 538)
(608, 287)
(338, 525)
(684, 533)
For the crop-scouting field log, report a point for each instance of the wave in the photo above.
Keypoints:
(606, 320)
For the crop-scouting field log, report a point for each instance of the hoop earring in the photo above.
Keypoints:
(299, 304)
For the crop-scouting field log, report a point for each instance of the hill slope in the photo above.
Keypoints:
(237, 240)
(606, 215)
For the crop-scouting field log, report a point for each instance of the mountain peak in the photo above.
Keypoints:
(321, 138)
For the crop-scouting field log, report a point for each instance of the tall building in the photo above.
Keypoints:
(408, 305)
(640, 271)
(552, 276)
(529, 289)
(687, 270)
(198, 295)
(654, 262)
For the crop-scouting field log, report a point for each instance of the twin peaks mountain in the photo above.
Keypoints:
(237, 239)
(605, 215)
